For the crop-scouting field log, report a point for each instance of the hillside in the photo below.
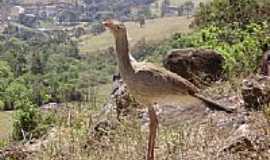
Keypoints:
(155, 30)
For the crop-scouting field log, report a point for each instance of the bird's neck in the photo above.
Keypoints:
(124, 63)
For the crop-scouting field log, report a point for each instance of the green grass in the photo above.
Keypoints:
(5, 124)
(155, 30)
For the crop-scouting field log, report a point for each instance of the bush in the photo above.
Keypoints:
(29, 122)
(97, 28)
(241, 48)
(25, 120)
(232, 12)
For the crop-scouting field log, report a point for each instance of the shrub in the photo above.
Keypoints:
(29, 122)
(25, 120)
(97, 28)
(241, 48)
(15, 92)
(235, 13)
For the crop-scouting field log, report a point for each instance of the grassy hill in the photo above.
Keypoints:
(154, 31)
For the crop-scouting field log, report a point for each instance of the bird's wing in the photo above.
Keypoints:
(160, 76)
(156, 77)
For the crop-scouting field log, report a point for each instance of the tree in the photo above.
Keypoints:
(6, 77)
(37, 67)
(15, 92)
(26, 120)
(16, 51)
(97, 28)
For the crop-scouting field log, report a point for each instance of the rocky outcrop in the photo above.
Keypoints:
(250, 140)
(256, 92)
(196, 65)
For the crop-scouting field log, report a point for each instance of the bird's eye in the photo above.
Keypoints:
(118, 27)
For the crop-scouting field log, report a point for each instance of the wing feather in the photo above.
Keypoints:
(156, 75)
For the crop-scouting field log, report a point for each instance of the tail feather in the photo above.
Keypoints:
(213, 104)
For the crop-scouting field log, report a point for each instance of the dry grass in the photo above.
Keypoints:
(75, 138)
(154, 31)
(5, 124)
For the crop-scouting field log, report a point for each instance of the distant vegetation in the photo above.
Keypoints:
(33, 74)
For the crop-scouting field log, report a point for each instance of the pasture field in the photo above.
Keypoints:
(154, 31)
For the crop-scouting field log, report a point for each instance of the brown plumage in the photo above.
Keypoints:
(151, 85)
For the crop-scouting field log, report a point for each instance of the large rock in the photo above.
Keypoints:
(196, 65)
(256, 92)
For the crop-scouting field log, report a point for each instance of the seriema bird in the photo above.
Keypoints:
(151, 85)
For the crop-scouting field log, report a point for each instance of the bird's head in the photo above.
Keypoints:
(116, 27)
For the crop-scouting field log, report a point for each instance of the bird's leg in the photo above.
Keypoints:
(152, 132)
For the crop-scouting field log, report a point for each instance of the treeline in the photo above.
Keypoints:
(47, 72)
(34, 73)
